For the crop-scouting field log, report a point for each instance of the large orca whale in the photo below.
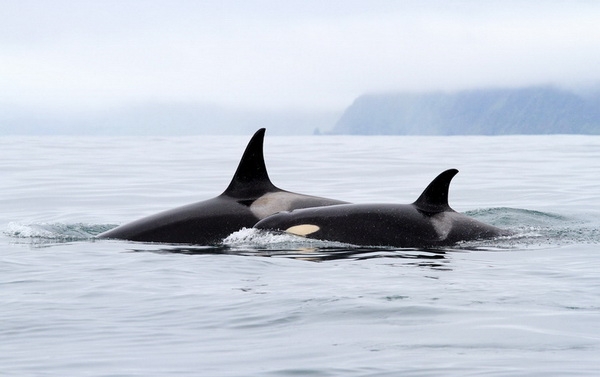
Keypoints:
(429, 221)
(249, 197)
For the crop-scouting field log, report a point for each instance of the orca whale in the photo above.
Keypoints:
(249, 197)
(428, 222)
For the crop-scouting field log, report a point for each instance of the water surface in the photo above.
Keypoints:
(262, 305)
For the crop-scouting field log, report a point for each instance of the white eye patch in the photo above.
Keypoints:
(303, 229)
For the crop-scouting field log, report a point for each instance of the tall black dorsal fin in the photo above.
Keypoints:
(251, 177)
(435, 197)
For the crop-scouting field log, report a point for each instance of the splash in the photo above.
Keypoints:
(251, 237)
(55, 232)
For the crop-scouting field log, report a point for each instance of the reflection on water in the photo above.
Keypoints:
(433, 258)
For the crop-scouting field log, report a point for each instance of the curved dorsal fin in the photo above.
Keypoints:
(251, 177)
(435, 197)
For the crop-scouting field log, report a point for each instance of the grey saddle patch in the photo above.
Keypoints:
(273, 202)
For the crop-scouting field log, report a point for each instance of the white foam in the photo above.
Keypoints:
(254, 237)
(260, 238)
(18, 230)
(55, 231)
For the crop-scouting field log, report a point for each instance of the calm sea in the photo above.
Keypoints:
(261, 305)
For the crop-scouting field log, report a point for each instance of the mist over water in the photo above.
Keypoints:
(270, 304)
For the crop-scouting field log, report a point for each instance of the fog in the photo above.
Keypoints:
(313, 56)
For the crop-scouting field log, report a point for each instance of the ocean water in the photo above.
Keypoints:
(265, 305)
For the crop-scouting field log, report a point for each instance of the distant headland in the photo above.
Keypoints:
(531, 110)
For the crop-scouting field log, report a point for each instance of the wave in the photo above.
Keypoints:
(55, 232)
(534, 228)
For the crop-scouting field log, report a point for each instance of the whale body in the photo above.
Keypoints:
(250, 197)
(429, 221)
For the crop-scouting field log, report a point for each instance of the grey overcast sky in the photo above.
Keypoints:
(269, 55)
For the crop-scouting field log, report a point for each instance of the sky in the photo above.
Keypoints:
(276, 55)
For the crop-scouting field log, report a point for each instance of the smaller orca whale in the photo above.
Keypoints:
(429, 221)
(249, 197)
